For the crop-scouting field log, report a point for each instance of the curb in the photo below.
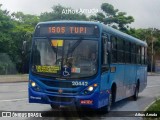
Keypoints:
(153, 74)
(13, 81)
(13, 78)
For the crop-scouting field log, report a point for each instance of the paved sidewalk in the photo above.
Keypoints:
(13, 78)
(153, 74)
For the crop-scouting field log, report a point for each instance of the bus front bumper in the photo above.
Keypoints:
(89, 101)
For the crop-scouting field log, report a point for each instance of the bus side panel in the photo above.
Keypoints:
(142, 76)
(117, 77)
(130, 79)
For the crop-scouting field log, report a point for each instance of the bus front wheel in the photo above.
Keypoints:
(106, 108)
(110, 101)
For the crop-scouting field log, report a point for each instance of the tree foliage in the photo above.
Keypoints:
(113, 17)
(24, 27)
(59, 13)
(6, 27)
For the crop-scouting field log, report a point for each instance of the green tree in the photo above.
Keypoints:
(152, 37)
(58, 13)
(7, 65)
(6, 26)
(113, 17)
(24, 27)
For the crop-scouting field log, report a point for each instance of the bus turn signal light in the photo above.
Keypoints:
(95, 85)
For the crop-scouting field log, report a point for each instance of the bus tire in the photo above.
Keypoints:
(106, 108)
(54, 107)
(135, 96)
(110, 100)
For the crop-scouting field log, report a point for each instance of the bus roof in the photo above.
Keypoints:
(70, 21)
(125, 36)
(104, 28)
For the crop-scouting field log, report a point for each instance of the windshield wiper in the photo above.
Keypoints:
(73, 47)
(55, 49)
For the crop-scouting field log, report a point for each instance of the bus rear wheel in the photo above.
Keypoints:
(54, 107)
(135, 96)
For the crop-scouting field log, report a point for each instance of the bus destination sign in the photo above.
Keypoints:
(67, 30)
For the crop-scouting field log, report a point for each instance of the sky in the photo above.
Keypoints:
(145, 12)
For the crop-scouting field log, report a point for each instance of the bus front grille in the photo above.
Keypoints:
(61, 99)
(58, 84)
(64, 91)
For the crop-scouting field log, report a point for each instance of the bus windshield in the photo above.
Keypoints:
(79, 56)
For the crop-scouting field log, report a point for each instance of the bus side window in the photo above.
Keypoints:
(127, 52)
(133, 53)
(114, 49)
(142, 55)
(138, 54)
(120, 50)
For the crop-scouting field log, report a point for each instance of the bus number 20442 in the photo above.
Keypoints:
(77, 83)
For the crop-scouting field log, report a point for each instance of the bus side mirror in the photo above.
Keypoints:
(26, 47)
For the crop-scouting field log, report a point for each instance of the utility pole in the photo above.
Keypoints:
(152, 55)
(153, 40)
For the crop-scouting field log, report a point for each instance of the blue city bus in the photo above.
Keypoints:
(85, 64)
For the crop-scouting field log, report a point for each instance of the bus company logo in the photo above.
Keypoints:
(6, 114)
(60, 91)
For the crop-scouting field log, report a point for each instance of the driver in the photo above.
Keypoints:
(93, 57)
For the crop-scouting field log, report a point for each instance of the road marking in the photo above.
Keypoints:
(13, 100)
(13, 91)
(153, 86)
(14, 84)
(151, 104)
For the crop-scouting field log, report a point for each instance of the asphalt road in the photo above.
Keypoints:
(13, 97)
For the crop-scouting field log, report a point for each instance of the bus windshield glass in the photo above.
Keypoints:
(52, 57)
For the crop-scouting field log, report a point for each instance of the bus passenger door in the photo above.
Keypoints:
(104, 83)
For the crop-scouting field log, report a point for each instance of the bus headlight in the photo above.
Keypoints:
(90, 89)
(34, 86)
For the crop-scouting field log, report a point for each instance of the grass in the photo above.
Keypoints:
(153, 109)
(155, 106)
